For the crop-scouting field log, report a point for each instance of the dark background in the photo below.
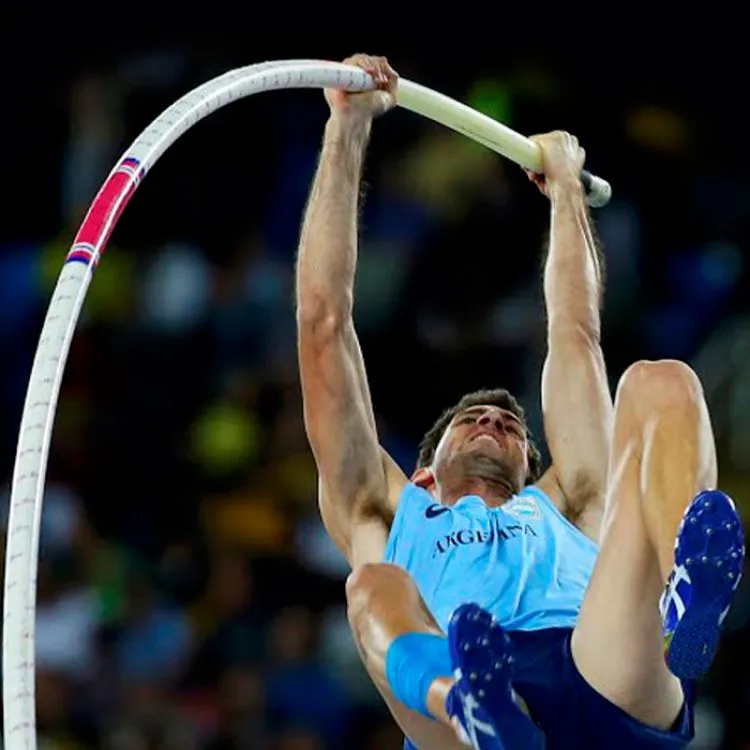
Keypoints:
(188, 596)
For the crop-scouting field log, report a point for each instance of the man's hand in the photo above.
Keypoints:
(562, 162)
(367, 104)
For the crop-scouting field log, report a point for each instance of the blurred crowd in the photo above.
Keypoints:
(188, 596)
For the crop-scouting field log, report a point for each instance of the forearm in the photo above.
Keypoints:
(328, 245)
(573, 272)
(337, 410)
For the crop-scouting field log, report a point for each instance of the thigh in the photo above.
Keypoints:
(570, 712)
(606, 725)
(617, 644)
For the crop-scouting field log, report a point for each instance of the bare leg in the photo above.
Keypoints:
(679, 456)
(662, 455)
(384, 603)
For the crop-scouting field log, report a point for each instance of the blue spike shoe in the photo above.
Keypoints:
(482, 703)
(709, 557)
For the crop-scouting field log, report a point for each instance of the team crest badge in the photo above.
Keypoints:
(523, 507)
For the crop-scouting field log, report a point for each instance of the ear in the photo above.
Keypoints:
(424, 478)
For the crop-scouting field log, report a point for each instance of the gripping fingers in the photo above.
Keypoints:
(383, 76)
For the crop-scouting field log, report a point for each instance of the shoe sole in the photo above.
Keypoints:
(482, 656)
(711, 548)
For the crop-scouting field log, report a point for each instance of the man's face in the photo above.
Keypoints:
(486, 433)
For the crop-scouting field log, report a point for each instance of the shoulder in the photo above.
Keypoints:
(417, 507)
(396, 481)
(584, 507)
(414, 499)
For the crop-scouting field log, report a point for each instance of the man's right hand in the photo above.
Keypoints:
(366, 104)
(562, 161)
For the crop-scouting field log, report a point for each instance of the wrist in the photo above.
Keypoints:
(349, 126)
(566, 188)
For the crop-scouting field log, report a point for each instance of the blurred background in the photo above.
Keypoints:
(188, 595)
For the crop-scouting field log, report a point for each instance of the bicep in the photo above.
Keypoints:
(577, 408)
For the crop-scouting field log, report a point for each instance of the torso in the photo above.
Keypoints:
(523, 561)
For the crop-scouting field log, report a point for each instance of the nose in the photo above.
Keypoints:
(490, 419)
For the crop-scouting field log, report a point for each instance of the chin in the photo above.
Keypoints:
(489, 453)
(498, 462)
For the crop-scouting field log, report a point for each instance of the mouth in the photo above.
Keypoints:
(487, 435)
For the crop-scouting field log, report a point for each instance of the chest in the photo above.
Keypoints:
(482, 537)
(472, 530)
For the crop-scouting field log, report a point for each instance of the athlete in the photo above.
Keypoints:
(496, 605)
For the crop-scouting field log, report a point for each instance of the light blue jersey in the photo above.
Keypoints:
(524, 562)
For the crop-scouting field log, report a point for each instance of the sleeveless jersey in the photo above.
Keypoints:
(524, 561)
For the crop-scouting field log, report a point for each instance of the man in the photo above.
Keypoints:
(482, 581)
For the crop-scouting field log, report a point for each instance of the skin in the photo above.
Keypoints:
(483, 450)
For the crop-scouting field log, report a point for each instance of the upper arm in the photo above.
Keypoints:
(577, 409)
(362, 536)
(359, 484)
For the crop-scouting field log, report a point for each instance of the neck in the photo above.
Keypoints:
(485, 478)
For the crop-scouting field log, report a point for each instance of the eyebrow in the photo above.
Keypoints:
(474, 409)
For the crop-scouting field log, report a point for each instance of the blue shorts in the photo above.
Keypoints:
(570, 712)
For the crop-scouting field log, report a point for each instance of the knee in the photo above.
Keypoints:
(371, 586)
(652, 386)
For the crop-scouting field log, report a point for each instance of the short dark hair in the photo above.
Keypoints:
(485, 397)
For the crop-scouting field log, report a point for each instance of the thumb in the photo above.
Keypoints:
(385, 100)
(538, 179)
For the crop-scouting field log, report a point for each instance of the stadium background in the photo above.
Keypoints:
(188, 597)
